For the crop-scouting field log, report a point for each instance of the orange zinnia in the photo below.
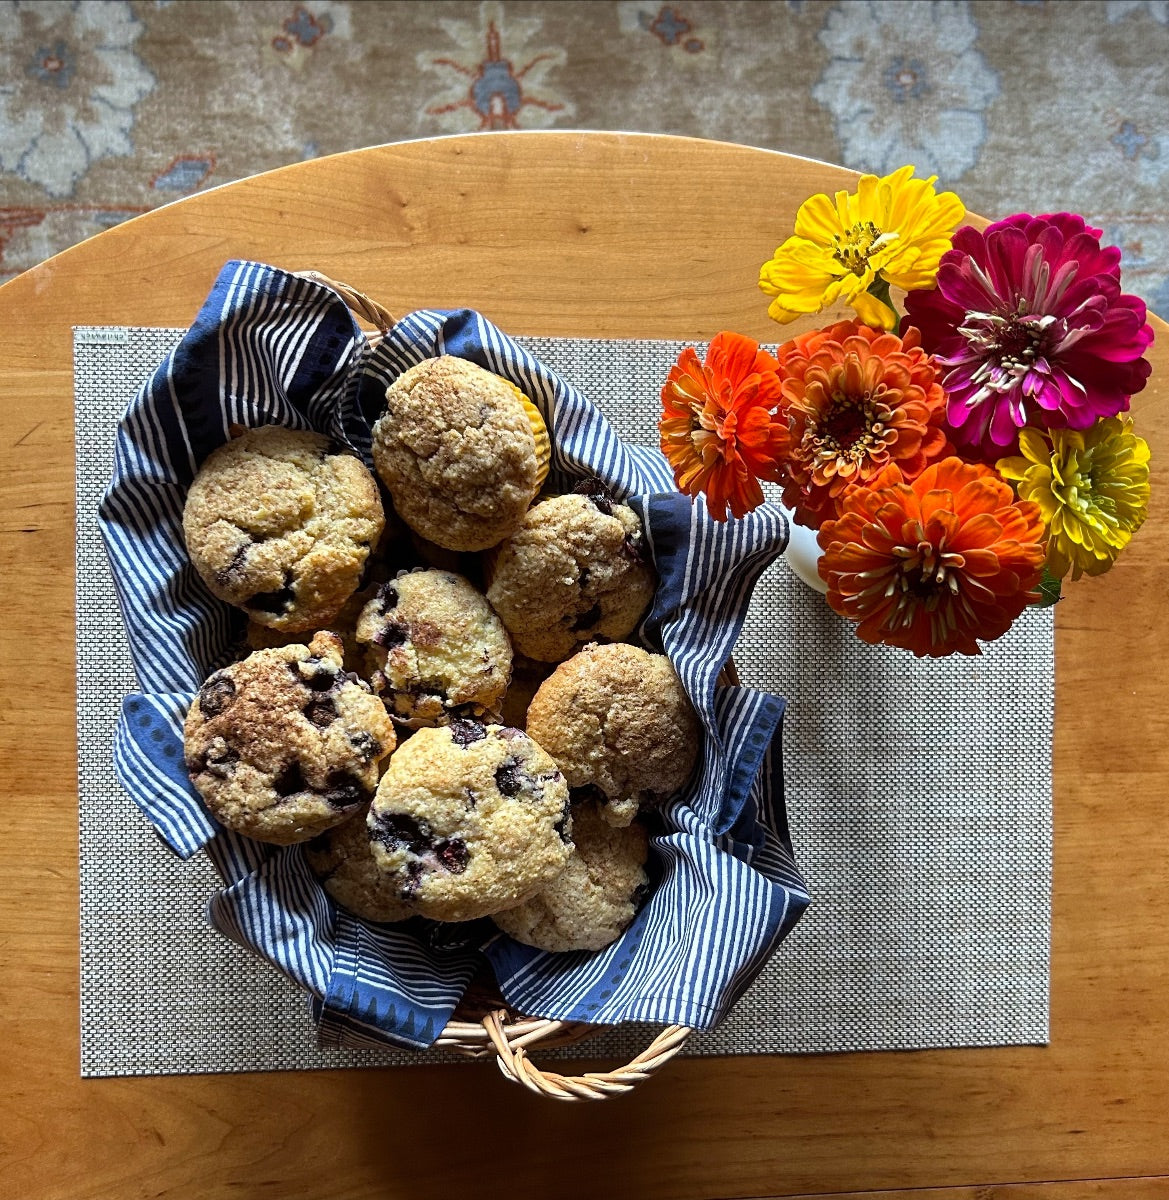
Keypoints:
(718, 427)
(932, 564)
(856, 400)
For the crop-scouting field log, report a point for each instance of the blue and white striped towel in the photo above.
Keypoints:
(271, 347)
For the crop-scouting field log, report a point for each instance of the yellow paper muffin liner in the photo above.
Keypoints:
(540, 430)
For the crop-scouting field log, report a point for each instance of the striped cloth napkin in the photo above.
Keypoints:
(271, 347)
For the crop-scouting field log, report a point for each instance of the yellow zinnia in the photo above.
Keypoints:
(891, 231)
(1092, 488)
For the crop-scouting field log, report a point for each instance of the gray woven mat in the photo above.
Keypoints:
(919, 796)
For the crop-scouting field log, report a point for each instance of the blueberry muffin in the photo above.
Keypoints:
(616, 718)
(284, 744)
(461, 451)
(435, 649)
(470, 819)
(593, 900)
(576, 570)
(280, 523)
(342, 859)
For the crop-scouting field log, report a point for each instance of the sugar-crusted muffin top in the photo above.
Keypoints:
(593, 900)
(470, 819)
(457, 450)
(435, 647)
(616, 718)
(575, 570)
(280, 523)
(285, 744)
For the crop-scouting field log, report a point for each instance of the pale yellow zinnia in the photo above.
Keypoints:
(1092, 488)
(892, 230)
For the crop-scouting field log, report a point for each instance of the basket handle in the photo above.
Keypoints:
(359, 303)
(594, 1085)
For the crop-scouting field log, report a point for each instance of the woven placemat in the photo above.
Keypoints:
(919, 797)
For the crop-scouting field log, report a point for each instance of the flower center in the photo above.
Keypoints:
(927, 576)
(713, 432)
(52, 64)
(854, 247)
(1011, 346)
(1076, 489)
(850, 429)
(906, 79)
(851, 426)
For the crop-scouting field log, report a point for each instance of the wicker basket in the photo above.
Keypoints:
(483, 1026)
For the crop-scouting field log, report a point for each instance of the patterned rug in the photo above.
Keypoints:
(109, 108)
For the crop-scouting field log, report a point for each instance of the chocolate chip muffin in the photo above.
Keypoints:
(342, 859)
(461, 451)
(470, 819)
(284, 744)
(576, 570)
(593, 900)
(280, 523)
(616, 718)
(435, 648)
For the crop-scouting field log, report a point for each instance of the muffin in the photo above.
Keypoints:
(461, 451)
(284, 744)
(593, 900)
(280, 523)
(616, 718)
(575, 570)
(435, 648)
(342, 859)
(470, 819)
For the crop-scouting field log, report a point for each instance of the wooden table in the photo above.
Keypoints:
(594, 235)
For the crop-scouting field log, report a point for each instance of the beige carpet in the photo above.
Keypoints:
(108, 109)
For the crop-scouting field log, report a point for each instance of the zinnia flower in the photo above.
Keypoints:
(855, 399)
(893, 231)
(718, 425)
(1031, 324)
(1092, 488)
(933, 564)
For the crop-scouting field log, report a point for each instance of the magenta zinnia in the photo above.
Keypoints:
(1031, 328)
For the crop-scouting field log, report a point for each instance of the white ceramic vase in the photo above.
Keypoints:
(803, 553)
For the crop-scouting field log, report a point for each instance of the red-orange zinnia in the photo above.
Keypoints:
(718, 427)
(932, 564)
(856, 399)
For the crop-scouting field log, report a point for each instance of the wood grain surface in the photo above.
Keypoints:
(599, 235)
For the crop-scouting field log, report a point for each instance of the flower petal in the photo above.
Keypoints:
(873, 311)
(936, 580)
